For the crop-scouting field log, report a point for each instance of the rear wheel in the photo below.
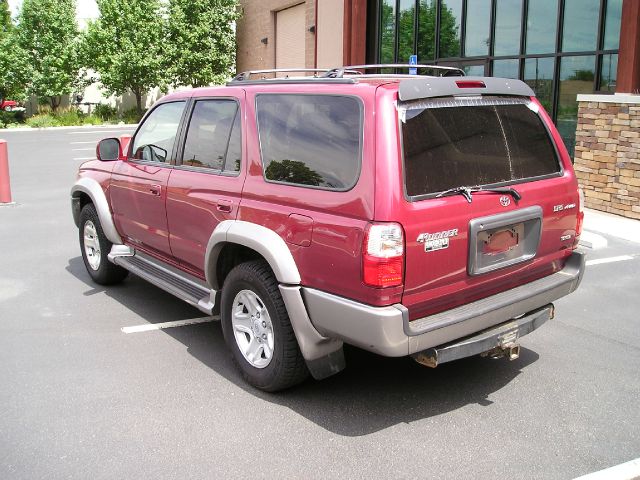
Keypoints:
(257, 329)
(95, 247)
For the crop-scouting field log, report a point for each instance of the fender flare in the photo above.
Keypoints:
(256, 237)
(93, 189)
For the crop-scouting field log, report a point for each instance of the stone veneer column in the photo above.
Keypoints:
(607, 154)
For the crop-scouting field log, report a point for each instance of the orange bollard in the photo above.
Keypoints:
(5, 185)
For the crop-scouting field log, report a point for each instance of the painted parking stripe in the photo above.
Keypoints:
(624, 471)
(159, 326)
(83, 143)
(600, 261)
(85, 158)
(98, 131)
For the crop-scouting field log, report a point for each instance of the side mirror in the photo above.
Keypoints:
(108, 150)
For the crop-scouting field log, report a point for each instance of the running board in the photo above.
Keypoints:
(180, 284)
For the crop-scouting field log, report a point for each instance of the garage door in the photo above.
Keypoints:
(290, 35)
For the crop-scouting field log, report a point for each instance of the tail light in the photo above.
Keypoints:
(580, 218)
(383, 255)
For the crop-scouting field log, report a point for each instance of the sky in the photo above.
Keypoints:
(86, 9)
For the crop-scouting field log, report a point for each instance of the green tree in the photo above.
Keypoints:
(293, 171)
(125, 46)
(201, 41)
(48, 33)
(14, 68)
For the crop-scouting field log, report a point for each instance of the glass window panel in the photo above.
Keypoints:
(477, 28)
(473, 70)
(234, 152)
(576, 76)
(450, 16)
(612, 25)
(538, 74)
(608, 73)
(312, 140)
(506, 68)
(580, 31)
(542, 26)
(388, 31)
(208, 133)
(405, 30)
(426, 30)
(155, 138)
(474, 145)
(507, 28)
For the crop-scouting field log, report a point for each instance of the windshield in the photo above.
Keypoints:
(450, 143)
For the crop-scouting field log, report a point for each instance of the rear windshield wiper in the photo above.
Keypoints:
(467, 191)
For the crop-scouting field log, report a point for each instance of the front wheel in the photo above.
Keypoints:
(95, 247)
(257, 330)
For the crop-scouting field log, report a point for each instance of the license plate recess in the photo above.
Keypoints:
(503, 240)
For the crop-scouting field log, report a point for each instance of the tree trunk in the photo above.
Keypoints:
(138, 95)
(55, 102)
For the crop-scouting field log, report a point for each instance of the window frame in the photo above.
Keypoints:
(186, 121)
(361, 118)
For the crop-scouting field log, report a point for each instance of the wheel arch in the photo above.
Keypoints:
(87, 190)
(248, 241)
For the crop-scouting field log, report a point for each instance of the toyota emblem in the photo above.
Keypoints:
(505, 201)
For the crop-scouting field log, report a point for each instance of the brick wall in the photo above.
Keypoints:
(607, 156)
(258, 22)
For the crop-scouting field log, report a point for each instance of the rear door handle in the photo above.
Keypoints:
(224, 206)
(155, 190)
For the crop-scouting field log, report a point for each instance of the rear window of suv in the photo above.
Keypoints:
(310, 140)
(473, 142)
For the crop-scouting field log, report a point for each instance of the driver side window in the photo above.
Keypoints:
(156, 137)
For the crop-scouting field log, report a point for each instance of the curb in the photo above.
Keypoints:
(624, 471)
(81, 127)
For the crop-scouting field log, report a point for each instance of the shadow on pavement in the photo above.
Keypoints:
(371, 394)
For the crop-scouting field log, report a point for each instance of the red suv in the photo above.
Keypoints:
(427, 216)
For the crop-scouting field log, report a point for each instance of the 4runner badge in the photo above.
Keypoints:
(436, 241)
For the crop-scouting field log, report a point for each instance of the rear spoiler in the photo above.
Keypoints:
(416, 88)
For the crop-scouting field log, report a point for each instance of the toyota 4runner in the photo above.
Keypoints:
(427, 216)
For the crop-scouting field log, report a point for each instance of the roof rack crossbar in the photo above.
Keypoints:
(246, 75)
(340, 71)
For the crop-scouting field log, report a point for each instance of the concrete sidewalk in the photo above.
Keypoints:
(597, 222)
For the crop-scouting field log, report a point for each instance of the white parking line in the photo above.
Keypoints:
(624, 471)
(99, 131)
(85, 158)
(600, 261)
(159, 326)
(83, 143)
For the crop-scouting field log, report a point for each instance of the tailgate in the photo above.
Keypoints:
(466, 244)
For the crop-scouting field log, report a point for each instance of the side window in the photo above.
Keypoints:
(312, 140)
(210, 135)
(156, 137)
(234, 152)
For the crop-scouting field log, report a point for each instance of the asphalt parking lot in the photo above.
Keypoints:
(82, 399)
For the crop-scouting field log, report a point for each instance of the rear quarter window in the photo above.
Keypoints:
(452, 144)
(310, 140)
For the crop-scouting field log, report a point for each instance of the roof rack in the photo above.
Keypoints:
(338, 74)
(444, 71)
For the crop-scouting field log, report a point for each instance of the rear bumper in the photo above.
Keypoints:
(387, 330)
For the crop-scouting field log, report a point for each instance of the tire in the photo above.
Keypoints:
(254, 323)
(95, 247)
(8, 108)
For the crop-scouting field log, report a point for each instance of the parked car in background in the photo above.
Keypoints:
(435, 217)
(11, 106)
